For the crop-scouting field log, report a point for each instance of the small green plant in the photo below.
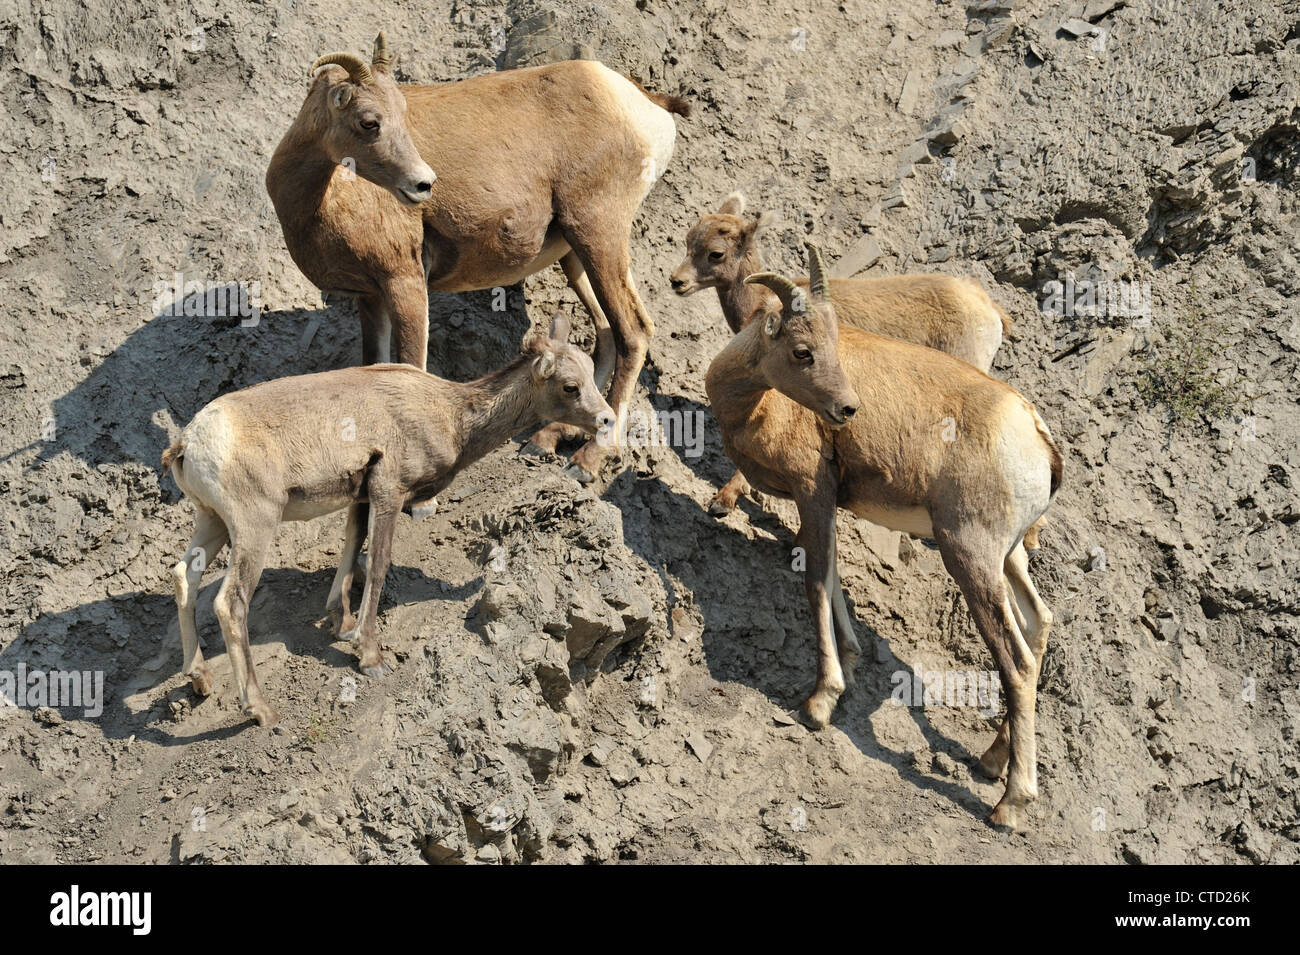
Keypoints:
(1182, 373)
(319, 732)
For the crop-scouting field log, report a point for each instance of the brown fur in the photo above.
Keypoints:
(371, 440)
(953, 315)
(533, 166)
(937, 447)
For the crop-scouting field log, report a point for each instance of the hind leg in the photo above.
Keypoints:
(550, 436)
(599, 238)
(210, 535)
(248, 553)
(1036, 624)
(337, 604)
(977, 569)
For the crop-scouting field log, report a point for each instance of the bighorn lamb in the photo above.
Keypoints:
(940, 450)
(371, 440)
(954, 315)
(532, 166)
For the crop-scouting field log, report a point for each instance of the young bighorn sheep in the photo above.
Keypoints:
(369, 439)
(533, 166)
(939, 450)
(954, 315)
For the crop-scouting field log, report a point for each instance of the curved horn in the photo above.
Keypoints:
(816, 274)
(356, 67)
(791, 295)
(382, 60)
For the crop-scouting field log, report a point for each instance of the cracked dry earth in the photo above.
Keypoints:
(606, 673)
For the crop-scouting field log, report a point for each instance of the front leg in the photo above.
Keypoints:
(817, 508)
(850, 650)
(408, 304)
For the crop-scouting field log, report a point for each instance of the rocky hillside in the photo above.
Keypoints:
(607, 673)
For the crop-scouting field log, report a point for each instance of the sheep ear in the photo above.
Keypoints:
(559, 329)
(733, 205)
(544, 366)
(772, 327)
(341, 95)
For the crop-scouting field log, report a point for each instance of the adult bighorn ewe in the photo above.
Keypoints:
(951, 314)
(529, 167)
(369, 439)
(939, 449)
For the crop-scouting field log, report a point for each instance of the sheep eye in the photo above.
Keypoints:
(716, 256)
(370, 124)
(571, 389)
(802, 354)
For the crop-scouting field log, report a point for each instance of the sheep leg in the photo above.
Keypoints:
(850, 651)
(408, 303)
(1036, 626)
(210, 535)
(376, 330)
(383, 521)
(337, 605)
(549, 437)
(250, 542)
(817, 538)
(606, 262)
(978, 573)
(727, 496)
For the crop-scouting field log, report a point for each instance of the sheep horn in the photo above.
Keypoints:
(382, 60)
(791, 295)
(357, 69)
(816, 274)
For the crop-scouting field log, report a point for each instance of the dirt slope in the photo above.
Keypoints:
(605, 674)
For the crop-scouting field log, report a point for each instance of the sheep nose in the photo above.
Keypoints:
(848, 411)
(605, 421)
(424, 188)
(677, 284)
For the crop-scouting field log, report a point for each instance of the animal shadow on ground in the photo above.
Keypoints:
(133, 639)
(758, 629)
(129, 409)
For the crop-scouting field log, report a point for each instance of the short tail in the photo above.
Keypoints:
(674, 104)
(1006, 319)
(172, 455)
(1057, 463)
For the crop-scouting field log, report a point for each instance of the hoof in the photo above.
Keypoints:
(1005, 816)
(201, 682)
(533, 450)
(817, 711)
(375, 671)
(263, 712)
(579, 473)
(720, 508)
(350, 634)
(420, 511)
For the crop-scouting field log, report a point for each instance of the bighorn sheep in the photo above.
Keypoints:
(369, 439)
(533, 166)
(951, 314)
(939, 450)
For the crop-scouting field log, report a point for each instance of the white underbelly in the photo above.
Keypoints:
(909, 520)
